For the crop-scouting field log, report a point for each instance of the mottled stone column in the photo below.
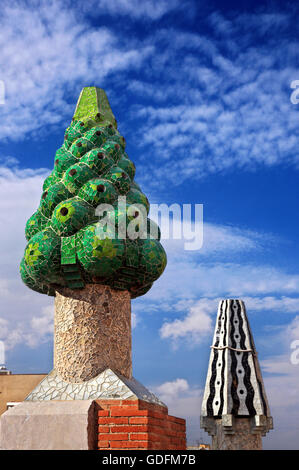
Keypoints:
(92, 332)
(231, 433)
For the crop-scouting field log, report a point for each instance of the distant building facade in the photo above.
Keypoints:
(199, 447)
(14, 388)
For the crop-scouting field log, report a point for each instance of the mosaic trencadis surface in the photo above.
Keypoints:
(72, 241)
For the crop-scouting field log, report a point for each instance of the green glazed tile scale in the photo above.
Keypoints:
(91, 168)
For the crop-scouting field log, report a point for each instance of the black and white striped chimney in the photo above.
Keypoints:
(235, 408)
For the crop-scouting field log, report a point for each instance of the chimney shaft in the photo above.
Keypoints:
(235, 402)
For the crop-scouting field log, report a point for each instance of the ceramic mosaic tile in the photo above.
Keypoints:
(235, 409)
(107, 385)
(92, 168)
(234, 383)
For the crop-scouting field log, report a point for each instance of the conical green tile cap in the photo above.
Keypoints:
(65, 244)
(93, 100)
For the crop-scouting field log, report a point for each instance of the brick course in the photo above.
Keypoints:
(136, 425)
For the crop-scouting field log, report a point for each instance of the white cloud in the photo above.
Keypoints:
(195, 325)
(194, 282)
(292, 330)
(283, 304)
(43, 325)
(193, 279)
(235, 111)
(170, 389)
(151, 9)
(228, 107)
(135, 319)
(25, 314)
(183, 401)
(216, 239)
(198, 320)
(48, 51)
(23, 328)
(281, 380)
(20, 191)
(3, 328)
(282, 385)
(215, 103)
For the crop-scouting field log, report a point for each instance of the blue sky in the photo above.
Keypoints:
(201, 92)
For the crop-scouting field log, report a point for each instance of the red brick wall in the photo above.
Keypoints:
(137, 425)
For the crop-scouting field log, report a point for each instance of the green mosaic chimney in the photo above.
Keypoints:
(71, 241)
